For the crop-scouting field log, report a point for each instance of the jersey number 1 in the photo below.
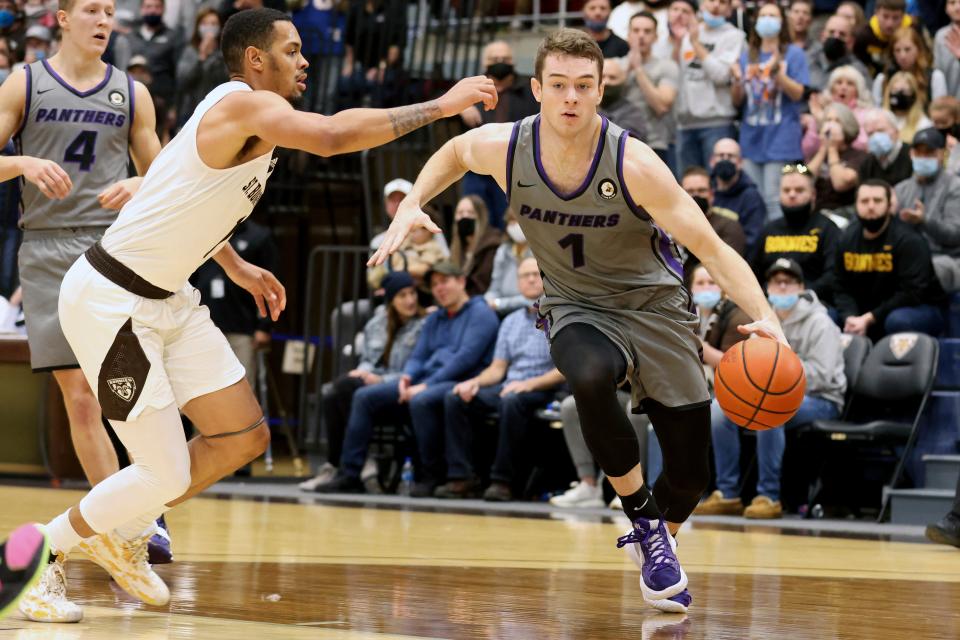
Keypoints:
(574, 241)
(81, 150)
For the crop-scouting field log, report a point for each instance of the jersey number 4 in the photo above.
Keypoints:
(81, 150)
(574, 241)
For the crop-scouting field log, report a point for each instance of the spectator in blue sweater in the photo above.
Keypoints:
(455, 343)
(734, 190)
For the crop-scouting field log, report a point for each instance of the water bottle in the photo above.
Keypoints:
(406, 477)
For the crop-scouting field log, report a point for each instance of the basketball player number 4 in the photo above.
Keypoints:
(81, 150)
(574, 241)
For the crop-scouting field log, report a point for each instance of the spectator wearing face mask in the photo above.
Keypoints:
(696, 182)
(889, 157)
(908, 103)
(614, 104)
(832, 51)
(911, 54)
(595, 16)
(504, 295)
(734, 190)
(36, 44)
(945, 113)
(201, 66)
(475, 244)
(930, 201)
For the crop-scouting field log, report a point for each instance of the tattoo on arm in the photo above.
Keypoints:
(407, 119)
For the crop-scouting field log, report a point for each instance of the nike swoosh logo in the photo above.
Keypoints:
(520, 184)
(44, 91)
(640, 508)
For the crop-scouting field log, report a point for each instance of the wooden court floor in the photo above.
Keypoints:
(249, 569)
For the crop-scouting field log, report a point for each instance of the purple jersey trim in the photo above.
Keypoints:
(634, 207)
(590, 174)
(133, 110)
(664, 247)
(511, 150)
(26, 106)
(66, 85)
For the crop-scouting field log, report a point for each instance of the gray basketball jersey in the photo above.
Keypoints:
(86, 132)
(595, 246)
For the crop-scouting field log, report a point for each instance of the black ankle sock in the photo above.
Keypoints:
(641, 505)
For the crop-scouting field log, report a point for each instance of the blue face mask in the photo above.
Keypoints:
(595, 25)
(711, 20)
(6, 18)
(880, 143)
(706, 299)
(767, 26)
(4, 74)
(926, 167)
(783, 302)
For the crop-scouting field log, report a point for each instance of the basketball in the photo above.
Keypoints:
(760, 383)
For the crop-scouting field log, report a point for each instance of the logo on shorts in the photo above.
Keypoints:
(607, 189)
(116, 98)
(123, 388)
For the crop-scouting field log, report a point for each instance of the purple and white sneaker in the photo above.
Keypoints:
(674, 604)
(158, 549)
(653, 549)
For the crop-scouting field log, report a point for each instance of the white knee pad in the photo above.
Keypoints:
(160, 471)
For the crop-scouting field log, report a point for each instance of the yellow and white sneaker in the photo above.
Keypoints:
(126, 562)
(47, 600)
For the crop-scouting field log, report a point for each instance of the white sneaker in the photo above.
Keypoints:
(616, 504)
(370, 469)
(126, 562)
(580, 494)
(47, 600)
(324, 475)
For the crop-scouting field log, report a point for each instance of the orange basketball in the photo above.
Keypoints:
(760, 383)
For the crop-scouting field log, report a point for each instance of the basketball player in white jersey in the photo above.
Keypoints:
(75, 119)
(143, 342)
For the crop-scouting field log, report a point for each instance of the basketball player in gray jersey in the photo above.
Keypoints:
(74, 119)
(600, 209)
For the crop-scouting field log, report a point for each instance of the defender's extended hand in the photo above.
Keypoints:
(408, 216)
(467, 92)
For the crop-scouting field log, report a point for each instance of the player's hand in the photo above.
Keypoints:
(119, 193)
(768, 327)
(408, 216)
(467, 92)
(266, 290)
(49, 177)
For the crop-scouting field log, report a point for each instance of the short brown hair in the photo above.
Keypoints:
(891, 5)
(949, 104)
(568, 42)
(694, 170)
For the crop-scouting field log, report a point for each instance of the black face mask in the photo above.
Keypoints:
(611, 94)
(797, 215)
(152, 19)
(466, 227)
(702, 203)
(949, 131)
(834, 49)
(872, 224)
(901, 101)
(724, 170)
(499, 70)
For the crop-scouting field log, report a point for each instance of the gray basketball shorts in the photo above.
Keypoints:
(45, 256)
(658, 342)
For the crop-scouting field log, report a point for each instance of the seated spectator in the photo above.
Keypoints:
(945, 114)
(912, 55)
(651, 83)
(456, 342)
(36, 44)
(929, 201)
(946, 49)
(803, 236)
(872, 40)
(908, 104)
(475, 243)
(719, 318)
(520, 380)
(889, 157)
(771, 74)
(595, 16)
(374, 39)
(614, 104)
(504, 295)
(832, 51)
(799, 19)
(417, 255)
(845, 87)
(696, 182)
(388, 340)
(734, 190)
(515, 102)
(155, 41)
(816, 340)
(885, 279)
(201, 66)
(836, 164)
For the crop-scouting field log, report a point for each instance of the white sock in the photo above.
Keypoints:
(142, 525)
(63, 537)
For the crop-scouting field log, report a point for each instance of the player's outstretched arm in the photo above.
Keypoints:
(654, 188)
(144, 147)
(272, 119)
(482, 150)
(49, 177)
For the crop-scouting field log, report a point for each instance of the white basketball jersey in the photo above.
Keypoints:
(185, 211)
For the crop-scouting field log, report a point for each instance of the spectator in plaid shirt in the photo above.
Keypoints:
(520, 380)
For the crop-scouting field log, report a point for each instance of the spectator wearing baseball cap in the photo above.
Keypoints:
(36, 44)
(930, 201)
(817, 342)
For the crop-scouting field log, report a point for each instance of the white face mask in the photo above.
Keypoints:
(516, 233)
